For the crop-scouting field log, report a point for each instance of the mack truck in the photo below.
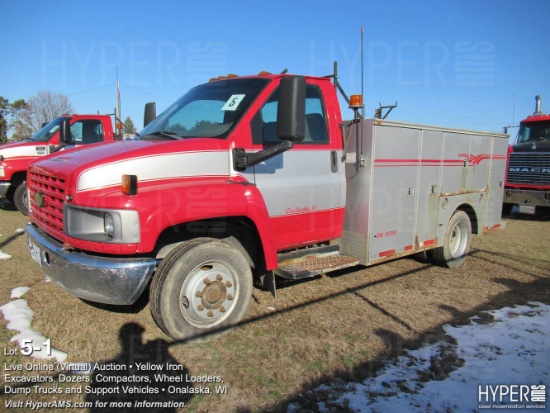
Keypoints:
(15, 157)
(248, 178)
(528, 170)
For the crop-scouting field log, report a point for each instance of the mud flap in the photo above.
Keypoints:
(268, 283)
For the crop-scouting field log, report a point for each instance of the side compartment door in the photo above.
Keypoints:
(394, 191)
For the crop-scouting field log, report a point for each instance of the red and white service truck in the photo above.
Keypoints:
(15, 157)
(528, 171)
(255, 176)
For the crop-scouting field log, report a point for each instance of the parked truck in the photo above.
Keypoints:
(249, 178)
(15, 157)
(528, 170)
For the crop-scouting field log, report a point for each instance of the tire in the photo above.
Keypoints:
(507, 209)
(456, 242)
(200, 290)
(21, 198)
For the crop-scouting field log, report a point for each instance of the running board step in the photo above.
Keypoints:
(314, 264)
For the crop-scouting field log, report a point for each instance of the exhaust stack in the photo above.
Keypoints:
(537, 106)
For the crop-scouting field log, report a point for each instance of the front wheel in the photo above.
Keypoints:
(21, 198)
(200, 290)
(456, 242)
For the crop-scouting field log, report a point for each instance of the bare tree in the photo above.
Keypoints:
(44, 107)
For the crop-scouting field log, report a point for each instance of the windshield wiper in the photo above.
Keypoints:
(165, 133)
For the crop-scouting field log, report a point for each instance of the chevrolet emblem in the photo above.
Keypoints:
(40, 199)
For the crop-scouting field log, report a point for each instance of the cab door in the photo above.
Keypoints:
(302, 187)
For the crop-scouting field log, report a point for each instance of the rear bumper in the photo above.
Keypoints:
(106, 280)
(526, 197)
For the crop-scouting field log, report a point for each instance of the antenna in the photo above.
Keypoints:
(118, 122)
(362, 71)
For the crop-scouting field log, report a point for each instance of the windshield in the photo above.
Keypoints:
(534, 132)
(47, 131)
(208, 110)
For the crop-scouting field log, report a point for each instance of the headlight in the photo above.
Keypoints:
(117, 226)
(109, 224)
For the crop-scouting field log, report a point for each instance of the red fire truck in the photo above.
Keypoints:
(528, 170)
(15, 157)
(255, 177)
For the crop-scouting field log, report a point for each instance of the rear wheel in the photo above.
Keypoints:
(200, 290)
(456, 242)
(21, 198)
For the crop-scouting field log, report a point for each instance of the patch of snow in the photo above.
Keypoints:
(19, 316)
(19, 230)
(19, 292)
(514, 349)
(4, 256)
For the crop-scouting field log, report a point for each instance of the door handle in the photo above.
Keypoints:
(333, 161)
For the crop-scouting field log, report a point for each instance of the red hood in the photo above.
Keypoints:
(74, 162)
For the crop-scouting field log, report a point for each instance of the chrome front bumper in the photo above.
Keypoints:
(526, 197)
(99, 279)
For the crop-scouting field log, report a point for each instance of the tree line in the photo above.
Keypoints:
(21, 118)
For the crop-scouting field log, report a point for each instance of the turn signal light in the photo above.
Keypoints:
(129, 184)
(356, 101)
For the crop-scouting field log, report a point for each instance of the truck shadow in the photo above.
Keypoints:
(6, 205)
(10, 239)
(310, 393)
(143, 377)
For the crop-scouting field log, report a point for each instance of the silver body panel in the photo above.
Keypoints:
(298, 181)
(404, 181)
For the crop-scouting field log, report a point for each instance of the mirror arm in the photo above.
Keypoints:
(243, 159)
(57, 148)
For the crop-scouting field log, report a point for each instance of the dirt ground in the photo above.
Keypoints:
(333, 328)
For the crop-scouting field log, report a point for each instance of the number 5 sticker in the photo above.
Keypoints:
(233, 102)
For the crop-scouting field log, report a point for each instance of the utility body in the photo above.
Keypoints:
(255, 177)
(15, 157)
(528, 170)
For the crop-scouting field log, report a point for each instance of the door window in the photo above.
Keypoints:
(264, 124)
(87, 131)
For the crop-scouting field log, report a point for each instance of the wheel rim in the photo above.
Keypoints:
(458, 241)
(209, 294)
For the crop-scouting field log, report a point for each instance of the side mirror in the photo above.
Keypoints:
(150, 113)
(291, 110)
(65, 133)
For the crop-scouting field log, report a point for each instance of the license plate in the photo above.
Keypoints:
(527, 209)
(35, 253)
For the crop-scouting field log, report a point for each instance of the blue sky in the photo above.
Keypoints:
(468, 64)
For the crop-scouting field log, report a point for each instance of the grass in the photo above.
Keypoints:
(337, 327)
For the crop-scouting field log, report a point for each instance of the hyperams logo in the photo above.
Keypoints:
(512, 396)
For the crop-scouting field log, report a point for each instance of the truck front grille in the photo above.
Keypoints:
(46, 197)
(529, 169)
